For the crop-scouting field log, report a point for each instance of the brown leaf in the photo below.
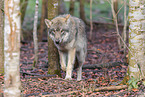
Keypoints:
(135, 90)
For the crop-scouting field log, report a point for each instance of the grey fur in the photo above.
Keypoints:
(69, 36)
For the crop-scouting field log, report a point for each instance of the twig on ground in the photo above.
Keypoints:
(38, 75)
(60, 94)
(104, 65)
(111, 88)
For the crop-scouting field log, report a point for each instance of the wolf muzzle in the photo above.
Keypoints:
(57, 41)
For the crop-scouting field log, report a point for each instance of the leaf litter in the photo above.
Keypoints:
(102, 49)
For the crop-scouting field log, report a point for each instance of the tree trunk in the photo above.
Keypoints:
(53, 57)
(12, 28)
(35, 34)
(91, 21)
(82, 11)
(136, 39)
(116, 24)
(124, 34)
(61, 7)
(1, 38)
(24, 4)
(115, 4)
(71, 7)
(43, 16)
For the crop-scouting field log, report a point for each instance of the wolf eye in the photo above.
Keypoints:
(62, 33)
(52, 32)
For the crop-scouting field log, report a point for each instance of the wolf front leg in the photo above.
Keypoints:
(62, 56)
(70, 64)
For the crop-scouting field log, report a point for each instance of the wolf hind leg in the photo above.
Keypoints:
(70, 64)
(79, 73)
(62, 56)
(81, 59)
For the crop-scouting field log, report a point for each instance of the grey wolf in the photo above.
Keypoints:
(69, 36)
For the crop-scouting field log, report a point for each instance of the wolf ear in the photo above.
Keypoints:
(66, 18)
(48, 23)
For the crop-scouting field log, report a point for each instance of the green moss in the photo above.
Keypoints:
(54, 72)
(125, 80)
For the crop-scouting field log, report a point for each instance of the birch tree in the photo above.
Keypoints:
(53, 57)
(1, 39)
(35, 39)
(12, 28)
(136, 68)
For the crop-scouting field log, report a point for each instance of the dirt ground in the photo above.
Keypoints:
(102, 48)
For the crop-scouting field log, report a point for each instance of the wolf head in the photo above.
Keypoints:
(58, 29)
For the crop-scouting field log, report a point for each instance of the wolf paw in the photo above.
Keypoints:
(78, 79)
(68, 78)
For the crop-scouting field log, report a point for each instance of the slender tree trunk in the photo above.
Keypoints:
(116, 23)
(35, 34)
(91, 22)
(1, 38)
(82, 11)
(115, 4)
(43, 16)
(12, 28)
(23, 4)
(125, 26)
(71, 7)
(61, 7)
(53, 57)
(136, 39)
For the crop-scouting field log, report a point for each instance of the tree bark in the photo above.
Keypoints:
(24, 4)
(71, 7)
(136, 39)
(82, 11)
(116, 24)
(61, 7)
(115, 4)
(43, 16)
(91, 21)
(1, 38)
(124, 34)
(35, 34)
(12, 28)
(53, 58)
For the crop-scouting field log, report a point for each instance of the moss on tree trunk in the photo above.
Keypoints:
(136, 67)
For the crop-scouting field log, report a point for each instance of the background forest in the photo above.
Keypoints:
(114, 66)
(101, 12)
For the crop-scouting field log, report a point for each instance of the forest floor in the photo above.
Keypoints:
(103, 48)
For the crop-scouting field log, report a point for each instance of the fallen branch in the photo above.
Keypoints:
(60, 94)
(111, 88)
(104, 65)
(26, 73)
(37, 75)
(42, 76)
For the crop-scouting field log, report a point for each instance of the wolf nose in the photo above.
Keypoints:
(57, 41)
